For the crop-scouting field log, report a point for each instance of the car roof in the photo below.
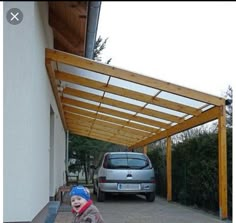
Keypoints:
(124, 153)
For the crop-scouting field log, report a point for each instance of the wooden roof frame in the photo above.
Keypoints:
(118, 122)
(134, 131)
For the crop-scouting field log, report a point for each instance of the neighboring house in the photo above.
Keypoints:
(34, 137)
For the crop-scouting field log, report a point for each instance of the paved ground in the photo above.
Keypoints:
(135, 209)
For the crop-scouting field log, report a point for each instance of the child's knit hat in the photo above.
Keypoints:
(80, 191)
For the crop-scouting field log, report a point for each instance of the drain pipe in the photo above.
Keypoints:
(93, 17)
(67, 150)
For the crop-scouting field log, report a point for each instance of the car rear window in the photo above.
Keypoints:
(126, 161)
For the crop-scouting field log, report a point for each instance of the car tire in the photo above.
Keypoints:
(100, 195)
(150, 197)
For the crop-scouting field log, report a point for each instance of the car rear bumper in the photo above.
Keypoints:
(127, 188)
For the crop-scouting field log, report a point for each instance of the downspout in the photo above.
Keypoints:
(67, 150)
(93, 17)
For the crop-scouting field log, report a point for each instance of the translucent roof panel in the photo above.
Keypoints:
(84, 73)
(125, 99)
(188, 117)
(207, 107)
(81, 88)
(133, 86)
(118, 109)
(165, 110)
(157, 128)
(90, 90)
(153, 118)
(82, 100)
(112, 116)
(180, 99)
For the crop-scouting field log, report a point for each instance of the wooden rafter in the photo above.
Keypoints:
(124, 105)
(103, 126)
(115, 118)
(63, 76)
(113, 112)
(51, 75)
(102, 137)
(91, 65)
(204, 117)
(108, 119)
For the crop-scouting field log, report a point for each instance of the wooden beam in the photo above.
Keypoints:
(51, 76)
(122, 105)
(204, 117)
(109, 119)
(91, 65)
(99, 137)
(112, 128)
(60, 42)
(78, 118)
(72, 78)
(89, 129)
(145, 149)
(112, 112)
(222, 157)
(103, 130)
(63, 29)
(108, 130)
(169, 169)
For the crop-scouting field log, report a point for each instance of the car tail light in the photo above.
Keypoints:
(102, 179)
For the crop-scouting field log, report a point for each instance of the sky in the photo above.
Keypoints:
(192, 44)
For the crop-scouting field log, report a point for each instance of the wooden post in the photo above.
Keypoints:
(145, 149)
(168, 169)
(222, 159)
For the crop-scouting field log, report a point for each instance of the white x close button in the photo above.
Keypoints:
(14, 16)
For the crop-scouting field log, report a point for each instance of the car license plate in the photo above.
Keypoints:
(128, 187)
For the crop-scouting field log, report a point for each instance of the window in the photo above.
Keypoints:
(123, 161)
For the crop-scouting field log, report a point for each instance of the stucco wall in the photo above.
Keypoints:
(27, 100)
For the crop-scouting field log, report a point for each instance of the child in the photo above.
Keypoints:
(82, 206)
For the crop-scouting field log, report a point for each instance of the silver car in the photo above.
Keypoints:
(124, 172)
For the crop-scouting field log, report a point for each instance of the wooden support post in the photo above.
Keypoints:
(145, 149)
(222, 159)
(168, 169)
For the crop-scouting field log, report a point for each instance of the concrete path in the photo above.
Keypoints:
(135, 209)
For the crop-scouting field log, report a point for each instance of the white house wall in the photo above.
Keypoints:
(27, 100)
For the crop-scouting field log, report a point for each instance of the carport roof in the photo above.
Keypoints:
(100, 101)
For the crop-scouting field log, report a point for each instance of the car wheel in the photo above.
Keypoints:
(151, 196)
(100, 195)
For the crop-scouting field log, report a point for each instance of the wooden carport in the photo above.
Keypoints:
(115, 105)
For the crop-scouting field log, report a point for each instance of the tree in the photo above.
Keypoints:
(100, 45)
(229, 107)
(84, 152)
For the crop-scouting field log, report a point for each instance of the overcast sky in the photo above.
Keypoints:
(192, 44)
